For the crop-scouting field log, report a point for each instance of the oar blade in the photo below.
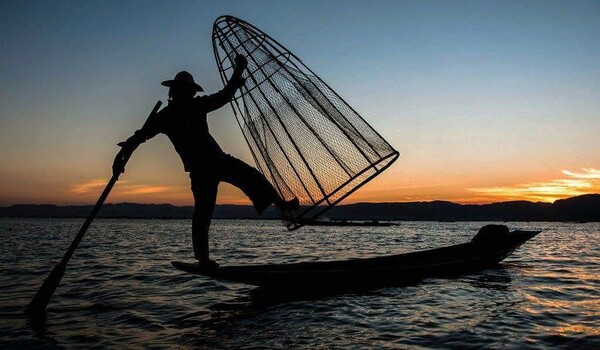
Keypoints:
(37, 306)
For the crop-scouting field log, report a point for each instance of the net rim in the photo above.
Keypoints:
(390, 158)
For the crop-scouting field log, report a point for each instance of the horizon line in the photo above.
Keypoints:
(338, 205)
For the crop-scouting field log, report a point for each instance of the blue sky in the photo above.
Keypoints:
(475, 95)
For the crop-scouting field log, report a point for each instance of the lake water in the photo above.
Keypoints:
(120, 290)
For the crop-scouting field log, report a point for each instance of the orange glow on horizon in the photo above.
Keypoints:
(130, 191)
(390, 187)
(547, 191)
(578, 183)
(88, 186)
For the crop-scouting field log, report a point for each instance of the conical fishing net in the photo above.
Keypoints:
(303, 136)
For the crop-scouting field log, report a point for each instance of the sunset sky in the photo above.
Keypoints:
(485, 101)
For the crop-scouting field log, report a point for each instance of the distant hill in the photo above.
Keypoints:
(582, 208)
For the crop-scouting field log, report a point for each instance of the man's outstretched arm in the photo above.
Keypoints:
(150, 129)
(221, 98)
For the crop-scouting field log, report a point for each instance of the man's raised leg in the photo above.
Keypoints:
(254, 184)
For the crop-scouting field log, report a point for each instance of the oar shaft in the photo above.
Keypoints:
(37, 306)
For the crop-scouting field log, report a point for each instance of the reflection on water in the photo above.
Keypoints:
(120, 289)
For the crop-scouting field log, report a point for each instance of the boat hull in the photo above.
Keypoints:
(370, 272)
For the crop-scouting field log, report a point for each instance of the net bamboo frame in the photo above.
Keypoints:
(307, 141)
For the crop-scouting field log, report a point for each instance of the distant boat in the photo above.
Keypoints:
(491, 245)
(344, 222)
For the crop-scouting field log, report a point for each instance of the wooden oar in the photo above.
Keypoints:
(37, 306)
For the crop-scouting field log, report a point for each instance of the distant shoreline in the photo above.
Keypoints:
(585, 208)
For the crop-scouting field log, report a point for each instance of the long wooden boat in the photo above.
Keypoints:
(480, 253)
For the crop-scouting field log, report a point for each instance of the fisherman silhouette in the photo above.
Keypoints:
(184, 121)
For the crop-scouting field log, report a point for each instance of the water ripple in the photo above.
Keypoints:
(120, 290)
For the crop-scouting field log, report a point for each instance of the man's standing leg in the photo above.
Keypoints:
(204, 189)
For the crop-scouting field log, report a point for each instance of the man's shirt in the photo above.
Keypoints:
(185, 123)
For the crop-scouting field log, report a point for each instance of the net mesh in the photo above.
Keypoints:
(303, 136)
